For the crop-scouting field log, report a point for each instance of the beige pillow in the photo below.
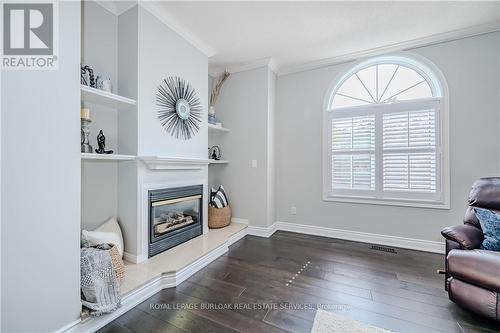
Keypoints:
(109, 232)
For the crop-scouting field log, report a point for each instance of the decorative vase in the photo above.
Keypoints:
(103, 83)
(211, 115)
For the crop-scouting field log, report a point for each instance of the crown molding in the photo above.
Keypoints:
(176, 26)
(119, 7)
(269, 62)
(273, 65)
(115, 7)
(108, 5)
(402, 46)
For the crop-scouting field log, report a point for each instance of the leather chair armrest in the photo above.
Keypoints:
(467, 236)
(452, 245)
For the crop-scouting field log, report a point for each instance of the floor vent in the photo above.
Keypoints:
(383, 248)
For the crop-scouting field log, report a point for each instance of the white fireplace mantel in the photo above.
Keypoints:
(174, 163)
(161, 173)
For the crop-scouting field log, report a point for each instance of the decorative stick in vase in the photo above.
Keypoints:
(215, 95)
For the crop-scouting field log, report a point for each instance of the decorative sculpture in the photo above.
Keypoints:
(103, 83)
(83, 72)
(101, 142)
(179, 108)
(85, 131)
(215, 153)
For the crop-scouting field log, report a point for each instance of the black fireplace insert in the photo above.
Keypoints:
(175, 216)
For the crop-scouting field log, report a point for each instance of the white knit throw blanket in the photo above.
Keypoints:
(100, 287)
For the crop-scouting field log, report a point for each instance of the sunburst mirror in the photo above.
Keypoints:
(179, 108)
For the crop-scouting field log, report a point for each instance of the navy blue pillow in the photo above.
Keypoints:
(490, 223)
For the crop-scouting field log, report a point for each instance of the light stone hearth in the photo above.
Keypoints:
(175, 259)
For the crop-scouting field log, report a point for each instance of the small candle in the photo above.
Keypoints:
(85, 113)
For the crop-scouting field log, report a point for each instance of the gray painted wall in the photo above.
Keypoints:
(213, 139)
(99, 40)
(162, 53)
(100, 179)
(210, 87)
(148, 52)
(271, 145)
(471, 67)
(40, 261)
(243, 107)
(128, 42)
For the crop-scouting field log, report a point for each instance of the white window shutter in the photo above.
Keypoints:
(409, 151)
(385, 136)
(353, 153)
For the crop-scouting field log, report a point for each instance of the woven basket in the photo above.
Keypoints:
(118, 265)
(219, 217)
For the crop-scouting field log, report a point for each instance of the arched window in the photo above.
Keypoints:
(385, 134)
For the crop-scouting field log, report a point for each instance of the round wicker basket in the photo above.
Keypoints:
(219, 217)
(118, 265)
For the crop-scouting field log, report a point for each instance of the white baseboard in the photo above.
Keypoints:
(68, 326)
(364, 237)
(129, 301)
(237, 236)
(261, 231)
(133, 258)
(357, 236)
(238, 220)
(194, 267)
(139, 295)
(130, 257)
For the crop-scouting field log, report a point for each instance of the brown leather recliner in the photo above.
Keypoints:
(472, 274)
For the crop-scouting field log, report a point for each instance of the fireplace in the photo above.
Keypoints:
(175, 216)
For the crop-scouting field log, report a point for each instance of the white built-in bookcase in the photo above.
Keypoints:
(109, 54)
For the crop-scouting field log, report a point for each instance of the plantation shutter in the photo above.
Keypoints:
(353, 153)
(389, 152)
(409, 151)
(383, 138)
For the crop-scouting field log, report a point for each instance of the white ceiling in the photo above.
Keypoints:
(296, 33)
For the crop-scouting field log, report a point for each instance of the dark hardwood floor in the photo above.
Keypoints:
(275, 285)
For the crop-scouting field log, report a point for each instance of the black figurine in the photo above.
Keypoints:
(215, 153)
(101, 142)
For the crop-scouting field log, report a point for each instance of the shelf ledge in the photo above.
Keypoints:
(104, 98)
(107, 157)
(218, 161)
(174, 163)
(217, 129)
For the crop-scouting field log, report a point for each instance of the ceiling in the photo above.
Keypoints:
(296, 33)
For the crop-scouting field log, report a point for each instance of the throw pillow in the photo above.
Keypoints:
(490, 223)
(213, 192)
(219, 198)
(109, 232)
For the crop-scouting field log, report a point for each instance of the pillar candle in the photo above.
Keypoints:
(85, 113)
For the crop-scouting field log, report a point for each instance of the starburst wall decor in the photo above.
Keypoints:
(179, 108)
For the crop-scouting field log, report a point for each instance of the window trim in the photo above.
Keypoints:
(439, 88)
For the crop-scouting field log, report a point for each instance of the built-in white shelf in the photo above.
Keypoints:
(107, 157)
(104, 98)
(218, 161)
(217, 129)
